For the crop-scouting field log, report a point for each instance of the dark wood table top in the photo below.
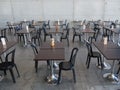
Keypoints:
(54, 31)
(24, 31)
(38, 23)
(9, 44)
(115, 30)
(110, 51)
(88, 30)
(46, 45)
(50, 54)
(76, 21)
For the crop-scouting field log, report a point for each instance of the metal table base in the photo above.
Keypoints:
(105, 66)
(52, 78)
(112, 77)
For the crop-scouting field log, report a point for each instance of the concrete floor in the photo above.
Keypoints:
(87, 79)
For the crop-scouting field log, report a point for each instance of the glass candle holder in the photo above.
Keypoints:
(52, 42)
(105, 40)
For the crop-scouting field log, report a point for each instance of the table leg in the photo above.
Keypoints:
(111, 76)
(119, 40)
(52, 78)
(105, 65)
(25, 39)
(113, 38)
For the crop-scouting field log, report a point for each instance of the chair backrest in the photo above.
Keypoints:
(9, 24)
(95, 35)
(34, 48)
(113, 24)
(73, 55)
(10, 54)
(4, 38)
(89, 48)
(47, 24)
(65, 21)
(74, 31)
(3, 32)
(18, 27)
(65, 34)
(67, 26)
(44, 29)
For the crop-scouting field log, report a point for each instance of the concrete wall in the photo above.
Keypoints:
(16, 10)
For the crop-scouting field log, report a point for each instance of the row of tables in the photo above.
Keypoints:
(111, 52)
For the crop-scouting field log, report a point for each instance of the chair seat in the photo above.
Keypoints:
(63, 37)
(65, 65)
(8, 65)
(35, 36)
(77, 34)
(96, 54)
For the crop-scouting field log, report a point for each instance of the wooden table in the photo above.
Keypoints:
(9, 45)
(59, 23)
(114, 31)
(26, 34)
(56, 33)
(52, 54)
(86, 32)
(110, 51)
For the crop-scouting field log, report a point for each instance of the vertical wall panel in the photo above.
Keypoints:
(28, 10)
(58, 9)
(88, 9)
(16, 10)
(5, 12)
(112, 9)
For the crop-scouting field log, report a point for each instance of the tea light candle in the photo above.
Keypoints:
(105, 40)
(52, 42)
(24, 20)
(84, 27)
(58, 22)
(3, 42)
(112, 27)
(27, 28)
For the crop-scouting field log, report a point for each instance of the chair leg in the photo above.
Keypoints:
(73, 38)
(59, 77)
(68, 41)
(48, 63)
(1, 59)
(5, 72)
(79, 38)
(118, 70)
(101, 62)
(74, 75)
(44, 38)
(17, 71)
(36, 65)
(23, 38)
(35, 41)
(11, 71)
(60, 39)
(38, 41)
(88, 62)
(98, 61)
